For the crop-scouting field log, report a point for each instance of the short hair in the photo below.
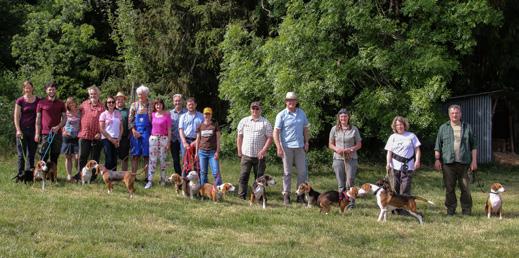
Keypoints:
(402, 120)
(191, 99)
(68, 102)
(106, 101)
(178, 95)
(142, 90)
(158, 101)
(454, 106)
(94, 87)
(50, 84)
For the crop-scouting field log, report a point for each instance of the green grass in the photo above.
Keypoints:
(69, 220)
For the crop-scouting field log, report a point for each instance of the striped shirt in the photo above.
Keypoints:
(255, 134)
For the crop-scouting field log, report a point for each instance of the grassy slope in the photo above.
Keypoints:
(71, 220)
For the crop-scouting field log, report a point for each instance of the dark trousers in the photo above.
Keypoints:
(402, 181)
(453, 173)
(87, 149)
(53, 151)
(110, 155)
(175, 153)
(246, 165)
(28, 146)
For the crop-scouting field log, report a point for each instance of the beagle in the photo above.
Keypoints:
(191, 184)
(215, 193)
(112, 176)
(51, 172)
(259, 190)
(388, 200)
(39, 173)
(326, 199)
(86, 172)
(177, 180)
(494, 202)
(311, 195)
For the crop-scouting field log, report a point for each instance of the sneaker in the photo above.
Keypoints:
(148, 185)
(69, 177)
(286, 199)
(466, 212)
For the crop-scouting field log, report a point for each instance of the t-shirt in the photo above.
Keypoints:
(51, 111)
(28, 112)
(160, 125)
(457, 141)
(208, 135)
(72, 124)
(112, 123)
(124, 118)
(402, 145)
(345, 139)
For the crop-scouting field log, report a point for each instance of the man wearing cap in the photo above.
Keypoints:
(188, 123)
(253, 141)
(124, 144)
(50, 118)
(176, 142)
(291, 137)
(90, 144)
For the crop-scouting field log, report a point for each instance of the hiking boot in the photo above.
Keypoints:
(286, 199)
(466, 212)
(148, 185)
(451, 212)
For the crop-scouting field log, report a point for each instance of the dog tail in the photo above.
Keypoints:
(423, 199)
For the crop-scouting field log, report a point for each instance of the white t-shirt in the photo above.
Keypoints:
(112, 123)
(402, 145)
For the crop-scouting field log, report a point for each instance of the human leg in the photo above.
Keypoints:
(245, 168)
(338, 168)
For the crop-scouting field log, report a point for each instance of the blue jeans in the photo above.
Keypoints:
(206, 158)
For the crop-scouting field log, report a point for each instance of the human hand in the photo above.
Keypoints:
(307, 146)
(280, 152)
(37, 138)
(136, 134)
(417, 165)
(216, 155)
(19, 134)
(438, 165)
(473, 166)
(262, 154)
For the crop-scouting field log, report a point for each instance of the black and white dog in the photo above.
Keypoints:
(259, 192)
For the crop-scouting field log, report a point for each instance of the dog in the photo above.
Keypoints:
(112, 176)
(259, 190)
(40, 173)
(494, 202)
(215, 193)
(86, 172)
(388, 201)
(51, 172)
(191, 184)
(327, 199)
(177, 180)
(311, 195)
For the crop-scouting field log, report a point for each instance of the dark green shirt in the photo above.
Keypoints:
(124, 117)
(445, 143)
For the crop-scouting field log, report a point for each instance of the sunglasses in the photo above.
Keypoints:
(110, 102)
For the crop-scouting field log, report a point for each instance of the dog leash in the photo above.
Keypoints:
(19, 140)
(477, 180)
(50, 139)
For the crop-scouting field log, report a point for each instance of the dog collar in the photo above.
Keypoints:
(494, 193)
(376, 191)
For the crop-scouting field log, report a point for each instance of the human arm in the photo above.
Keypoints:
(474, 163)
(279, 148)
(306, 136)
(389, 157)
(217, 152)
(17, 114)
(56, 128)
(37, 131)
(239, 142)
(437, 160)
(418, 155)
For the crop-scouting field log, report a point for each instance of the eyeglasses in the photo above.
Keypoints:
(110, 102)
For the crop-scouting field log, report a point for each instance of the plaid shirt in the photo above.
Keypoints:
(255, 134)
(90, 119)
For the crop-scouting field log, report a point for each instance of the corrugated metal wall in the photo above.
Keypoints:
(477, 111)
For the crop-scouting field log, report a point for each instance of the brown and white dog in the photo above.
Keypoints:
(215, 193)
(40, 172)
(191, 184)
(494, 205)
(388, 201)
(51, 172)
(112, 176)
(176, 180)
(327, 199)
(311, 195)
(259, 190)
(86, 172)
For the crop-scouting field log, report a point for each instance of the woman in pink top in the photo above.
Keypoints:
(111, 128)
(159, 141)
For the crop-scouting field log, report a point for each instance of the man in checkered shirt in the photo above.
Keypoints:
(253, 141)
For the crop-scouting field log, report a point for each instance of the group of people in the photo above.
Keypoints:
(147, 131)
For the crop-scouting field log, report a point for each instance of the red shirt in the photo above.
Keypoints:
(90, 119)
(51, 112)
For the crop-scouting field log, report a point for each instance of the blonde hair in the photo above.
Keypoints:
(70, 100)
(402, 120)
(26, 83)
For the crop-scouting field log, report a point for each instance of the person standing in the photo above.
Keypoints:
(159, 141)
(345, 141)
(176, 142)
(50, 118)
(123, 152)
(89, 136)
(208, 147)
(139, 123)
(110, 127)
(188, 124)
(24, 122)
(291, 137)
(70, 146)
(253, 141)
(403, 156)
(455, 153)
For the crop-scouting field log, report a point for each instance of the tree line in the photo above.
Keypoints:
(379, 58)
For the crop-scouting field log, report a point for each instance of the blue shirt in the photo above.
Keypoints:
(189, 123)
(291, 126)
(175, 117)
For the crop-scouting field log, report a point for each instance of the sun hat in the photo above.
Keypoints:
(291, 95)
(120, 94)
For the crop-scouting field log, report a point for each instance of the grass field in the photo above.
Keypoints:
(69, 220)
